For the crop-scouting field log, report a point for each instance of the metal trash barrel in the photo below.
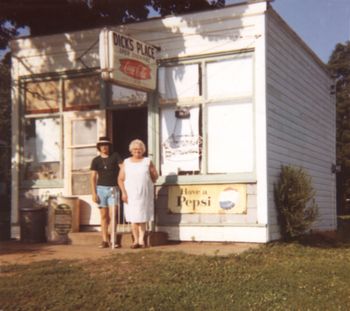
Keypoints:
(32, 225)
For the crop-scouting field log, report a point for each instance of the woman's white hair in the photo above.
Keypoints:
(139, 143)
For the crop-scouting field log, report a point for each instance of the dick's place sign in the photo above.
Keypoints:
(126, 61)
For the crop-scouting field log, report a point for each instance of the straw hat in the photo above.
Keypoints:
(103, 140)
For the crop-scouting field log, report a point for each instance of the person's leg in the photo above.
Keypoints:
(142, 231)
(113, 216)
(113, 201)
(135, 234)
(104, 212)
(102, 193)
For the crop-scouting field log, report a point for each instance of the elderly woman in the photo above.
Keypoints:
(136, 177)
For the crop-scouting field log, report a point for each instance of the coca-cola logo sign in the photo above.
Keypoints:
(135, 69)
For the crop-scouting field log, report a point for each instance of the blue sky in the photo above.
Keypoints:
(320, 23)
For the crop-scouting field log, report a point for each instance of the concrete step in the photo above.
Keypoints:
(124, 239)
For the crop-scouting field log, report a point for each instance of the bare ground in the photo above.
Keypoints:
(15, 252)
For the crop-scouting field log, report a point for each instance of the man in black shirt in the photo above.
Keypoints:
(104, 174)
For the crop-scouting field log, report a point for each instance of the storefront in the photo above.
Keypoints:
(238, 94)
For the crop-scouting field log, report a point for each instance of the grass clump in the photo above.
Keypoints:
(294, 199)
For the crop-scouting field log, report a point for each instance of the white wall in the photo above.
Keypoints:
(300, 119)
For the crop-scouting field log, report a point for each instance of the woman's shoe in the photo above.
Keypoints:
(134, 246)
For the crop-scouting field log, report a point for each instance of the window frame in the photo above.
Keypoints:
(202, 100)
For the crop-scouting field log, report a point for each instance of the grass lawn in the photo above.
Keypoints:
(304, 275)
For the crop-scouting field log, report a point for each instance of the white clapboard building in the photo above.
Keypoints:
(237, 94)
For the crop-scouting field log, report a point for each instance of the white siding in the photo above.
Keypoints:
(300, 119)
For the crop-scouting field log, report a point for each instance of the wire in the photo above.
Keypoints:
(80, 58)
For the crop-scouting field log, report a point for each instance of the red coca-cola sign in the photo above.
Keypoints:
(135, 69)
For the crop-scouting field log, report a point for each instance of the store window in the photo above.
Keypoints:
(82, 93)
(125, 96)
(46, 105)
(206, 116)
(42, 149)
(179, 83)
(230, 115)
(83, 150)
(42, 97)
(181, 140)
(230, 138)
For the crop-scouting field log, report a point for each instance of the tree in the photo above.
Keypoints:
(339, 65)
(44, 17)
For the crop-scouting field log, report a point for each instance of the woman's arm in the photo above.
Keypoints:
(153, 172)
(121, 180)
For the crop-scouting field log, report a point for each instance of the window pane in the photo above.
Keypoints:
(81, 184)
(230, 138)
(180, 141)
(82, 93)
(42, 148)
(123, 95)
(179, 82)
(42, 97)
(84, 132)
(228, 78)
(82, 158)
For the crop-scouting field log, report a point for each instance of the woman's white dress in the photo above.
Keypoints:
(139, 188)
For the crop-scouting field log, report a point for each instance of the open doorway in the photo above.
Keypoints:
(128, 124)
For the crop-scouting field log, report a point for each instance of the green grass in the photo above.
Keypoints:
(279, 276)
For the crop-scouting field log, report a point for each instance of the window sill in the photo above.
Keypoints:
(57, 183)
(206, 179)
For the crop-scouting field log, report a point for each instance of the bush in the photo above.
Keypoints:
(294, 199)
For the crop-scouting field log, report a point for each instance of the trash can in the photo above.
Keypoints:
(5, 212)
(32, 225)
(5, 226)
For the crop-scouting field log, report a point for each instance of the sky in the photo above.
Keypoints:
(320, 23)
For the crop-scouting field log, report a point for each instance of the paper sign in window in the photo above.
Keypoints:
(180, 142)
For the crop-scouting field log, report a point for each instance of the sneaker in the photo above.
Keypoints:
(104, 244)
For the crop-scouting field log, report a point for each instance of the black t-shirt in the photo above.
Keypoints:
(107, 169)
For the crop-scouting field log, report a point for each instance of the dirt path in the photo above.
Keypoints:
(15, 252)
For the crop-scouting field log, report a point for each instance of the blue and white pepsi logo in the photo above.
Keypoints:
(228, 198)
